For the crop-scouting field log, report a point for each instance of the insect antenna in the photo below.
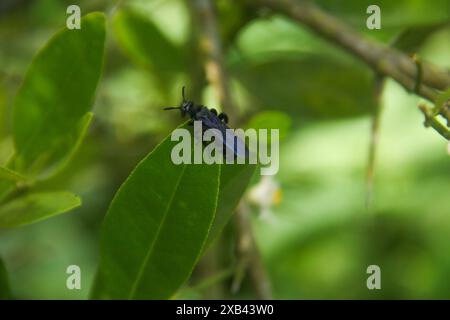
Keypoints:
(184, 100)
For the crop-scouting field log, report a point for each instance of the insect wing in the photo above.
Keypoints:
(233, 146)
(212, 122)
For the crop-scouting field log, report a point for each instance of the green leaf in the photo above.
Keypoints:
(410, 39)
(234, 179)
(156, 227)
(5, 291)
(440, 100)
(145, 44)
(3, 111)
(6, 186)
(37, 206)
(50, 110)
(8, 180)
(71, 145)
(159, 222)
(10, 175)
(307, 85)
(271, 119)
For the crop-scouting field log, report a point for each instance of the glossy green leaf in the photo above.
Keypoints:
(145, 44)
(156, 227)
(5, 291)
(50, 110)
(37, 206)
(307, 85)
(10, 175)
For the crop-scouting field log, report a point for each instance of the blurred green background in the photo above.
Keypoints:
(319, 239)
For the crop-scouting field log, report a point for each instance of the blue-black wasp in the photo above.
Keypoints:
(211, 119)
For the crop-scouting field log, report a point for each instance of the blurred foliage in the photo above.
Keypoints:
(50, 119)
(321, 237)
(51, 109)
(271, 119)
(148, 46)
(35, 207)
(4, 285)
(271, 82)
(395, 15)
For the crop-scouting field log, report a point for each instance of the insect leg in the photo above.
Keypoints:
(223, 117)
